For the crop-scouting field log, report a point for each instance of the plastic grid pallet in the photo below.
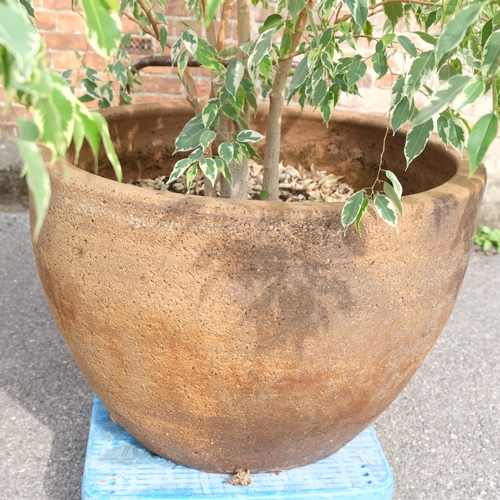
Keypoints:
(118, 467)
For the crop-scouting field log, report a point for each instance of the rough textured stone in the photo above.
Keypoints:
(231, 334)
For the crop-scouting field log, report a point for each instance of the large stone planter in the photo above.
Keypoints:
(232, 335)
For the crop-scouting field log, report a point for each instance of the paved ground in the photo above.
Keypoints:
(441, 436)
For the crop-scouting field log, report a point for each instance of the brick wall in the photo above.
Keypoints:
(63, 30)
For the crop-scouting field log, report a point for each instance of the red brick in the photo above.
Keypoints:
(386, 81)
(202, 87)
(176, 8)
(129, 26)
(45, 20)
(71, 22)
(65, 41)
(160, 84)
(57, 4)
(66, 59)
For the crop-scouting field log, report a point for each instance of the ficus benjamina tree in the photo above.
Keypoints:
(305, 51)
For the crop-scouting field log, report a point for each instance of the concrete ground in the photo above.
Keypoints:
(441, 436)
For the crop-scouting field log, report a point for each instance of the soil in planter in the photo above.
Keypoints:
(296, 184)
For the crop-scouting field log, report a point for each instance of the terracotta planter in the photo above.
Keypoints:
(232, 334)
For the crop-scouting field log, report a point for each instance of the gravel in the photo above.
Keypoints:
(296, 184)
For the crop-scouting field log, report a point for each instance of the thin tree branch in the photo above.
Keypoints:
(273, 133)
(142, 26)
(226, 14)
(152, 20)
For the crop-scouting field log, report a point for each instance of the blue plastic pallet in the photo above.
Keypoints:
(118, 467)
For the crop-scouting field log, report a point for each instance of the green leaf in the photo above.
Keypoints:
(446, 72)
(228, 52)
(359, 10)
(286, 44)
(37, 179)
(443, 129)
(395, 183)
(295, 7)
(328, 105)
(230, 112)
(262, 47)
(182, 62)
(207, 56)
(456, 134)
(48, 120)
(351, 209)
(454, 30)
(397, 91)
(190, 175)
(91, 88)
(319, 93)
(327, 63)
(92, 74)
(209, 169)
(197, 154)
(482, 135)
(416, 139)
(249, 136)
(419, 71)
(224, 169)
(326, 38)
(206, 138)
(226, 151)
(394, 11)
(426, 37)
(401, 114)
(29, 8)
(491, 55)
(442, 98)
(190, 136)
(361, 213)
(179, 168)
(120, 72)
(386, 209)
(27, 130)
(234, 75)
(451, 6)
(103, 27)
(90, 129)
(163, 37)
(18, 34)
(102, 126)
(299, 77)
(472, 92)
(211, 7)
(266, 66)
(393, 196)
(190, 39)
(408, 45)
(380, 65)
(355, 72)
(274, 21)
(175, 51)
(486, 32)
(210, 113)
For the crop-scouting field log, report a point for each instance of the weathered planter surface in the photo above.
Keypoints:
(232, 335)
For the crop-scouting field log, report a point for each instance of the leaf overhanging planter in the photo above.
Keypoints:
(228, 334)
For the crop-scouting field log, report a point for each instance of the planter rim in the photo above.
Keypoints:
(459, 185)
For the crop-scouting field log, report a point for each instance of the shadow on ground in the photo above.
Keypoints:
(38, 374)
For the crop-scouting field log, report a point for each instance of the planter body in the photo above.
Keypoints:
(230, 335)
